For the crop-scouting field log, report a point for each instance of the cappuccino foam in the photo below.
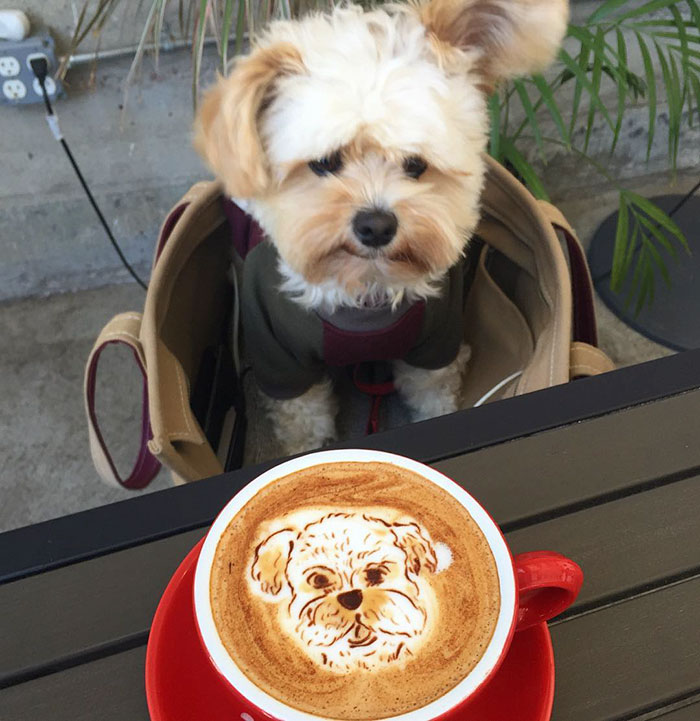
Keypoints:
(354, 591)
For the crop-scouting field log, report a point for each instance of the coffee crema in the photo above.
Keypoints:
(354, 591)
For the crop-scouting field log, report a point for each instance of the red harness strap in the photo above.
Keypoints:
(376, 380)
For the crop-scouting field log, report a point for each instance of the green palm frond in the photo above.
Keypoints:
(621, 250)
(225, 33)
(200, 28)
(622, 88)
(495, 123)
(547, 98)
(651, 89)
(669, 46)
(529, 110)
(514, 159)
(643, 232)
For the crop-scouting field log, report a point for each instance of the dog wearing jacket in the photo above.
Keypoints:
(355, 139)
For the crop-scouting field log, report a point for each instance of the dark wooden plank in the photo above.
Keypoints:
(70, 539)
(623, 546)
(527, 480)
(110, 689)
(629, 657)
(612, 665)
(627, 545)
(684, 712)
(50, 619)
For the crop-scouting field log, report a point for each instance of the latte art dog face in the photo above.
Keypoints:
(354, 591)
(353, 588)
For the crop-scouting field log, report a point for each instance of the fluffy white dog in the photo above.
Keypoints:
(353, 589)
(356, 139)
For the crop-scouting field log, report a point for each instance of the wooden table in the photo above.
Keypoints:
(605, 470)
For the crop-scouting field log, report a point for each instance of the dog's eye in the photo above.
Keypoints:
(414, 166)
(374, 576)
(330, 164)
(318, 580)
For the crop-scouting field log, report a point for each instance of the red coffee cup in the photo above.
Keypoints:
(534, 587)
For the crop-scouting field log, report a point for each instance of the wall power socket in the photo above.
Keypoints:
(18, 84)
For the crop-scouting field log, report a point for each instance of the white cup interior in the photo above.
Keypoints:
(465, 688)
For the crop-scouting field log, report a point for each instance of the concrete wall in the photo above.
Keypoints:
(124, 27)
(139, 161)
(138, 164)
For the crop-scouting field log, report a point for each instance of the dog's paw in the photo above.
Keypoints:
(292, 446)
(432, 393)
(305, 423)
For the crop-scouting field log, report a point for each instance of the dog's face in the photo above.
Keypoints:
(358, 136)
(353, 590)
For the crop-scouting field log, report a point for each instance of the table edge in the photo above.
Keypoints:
(69, 539)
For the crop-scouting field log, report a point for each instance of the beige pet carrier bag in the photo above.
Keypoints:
(529, 318)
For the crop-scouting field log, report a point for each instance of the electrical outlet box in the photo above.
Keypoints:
(18, 84)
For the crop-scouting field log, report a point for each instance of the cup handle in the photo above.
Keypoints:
(548, 584)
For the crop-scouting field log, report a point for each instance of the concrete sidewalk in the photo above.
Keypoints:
(46, 465)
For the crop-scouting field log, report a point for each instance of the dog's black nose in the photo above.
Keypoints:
(375, 228)
(350, 599)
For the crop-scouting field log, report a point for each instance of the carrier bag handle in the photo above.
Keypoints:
(587, 360)
(123, 328)
(168, 225)
(584, 322)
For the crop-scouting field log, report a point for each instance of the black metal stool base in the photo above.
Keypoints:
(673, 319)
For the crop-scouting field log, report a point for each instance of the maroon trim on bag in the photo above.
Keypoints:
(345, 347)
(147, 465)
(169, 226)
(584, 322)
(245, 232)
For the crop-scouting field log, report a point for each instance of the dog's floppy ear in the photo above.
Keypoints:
(270, 561)
(511, 37)
(419, 551)
(226, 131)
